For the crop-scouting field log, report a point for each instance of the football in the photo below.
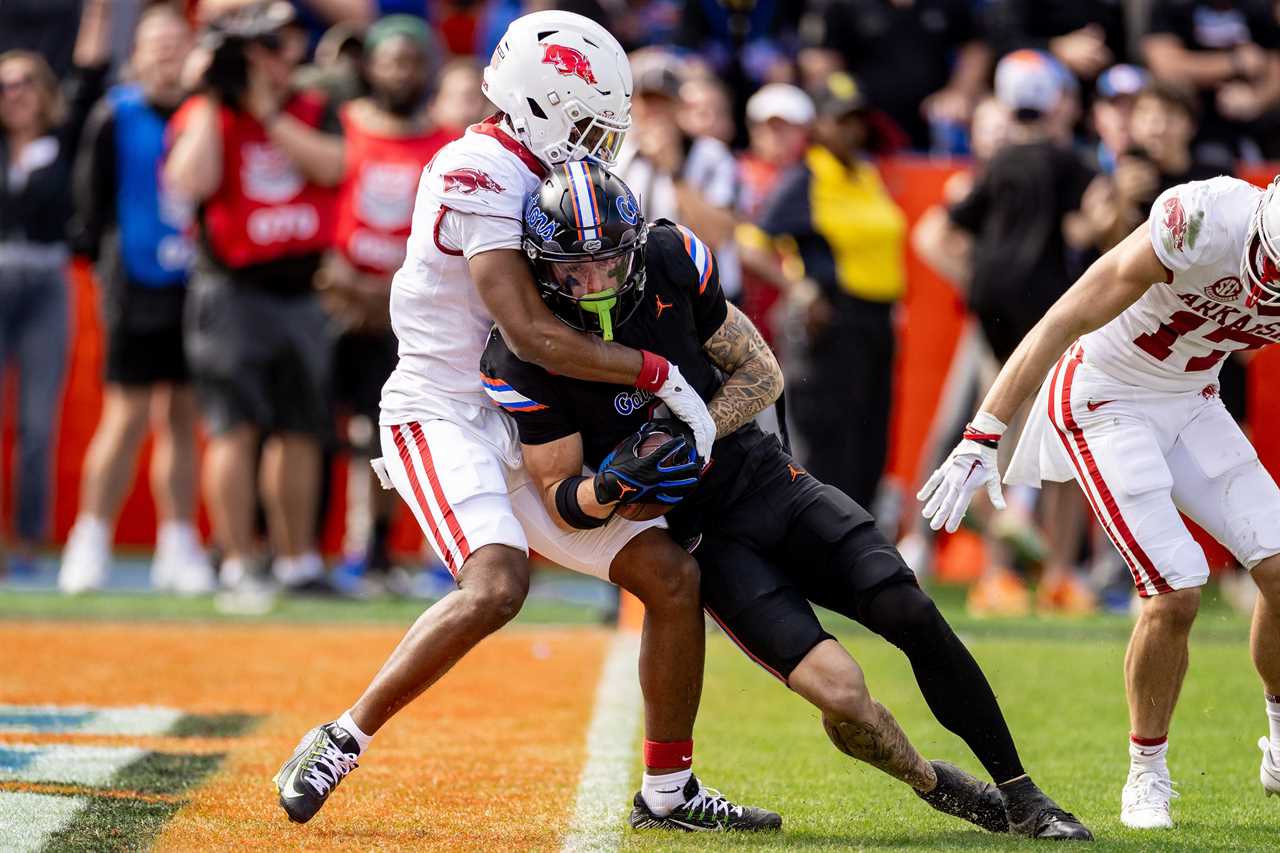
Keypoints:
(644, 512)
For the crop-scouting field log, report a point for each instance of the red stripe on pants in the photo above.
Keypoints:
(1084, 487)
(1108, 499)
(450, 518)
(406, 459)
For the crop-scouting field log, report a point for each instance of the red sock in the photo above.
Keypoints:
(668, 754)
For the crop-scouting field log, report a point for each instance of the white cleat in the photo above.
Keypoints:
(86, 560)
(1270, 772)
(180, 564)
(1144, 803)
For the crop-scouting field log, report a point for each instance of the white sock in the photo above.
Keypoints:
(233, 571)
(298, 570)
(663, 793)
(92, 526)
(1143, 757)
(1273, 717)
(349, 725)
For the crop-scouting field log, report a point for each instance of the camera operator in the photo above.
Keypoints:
(256, 157)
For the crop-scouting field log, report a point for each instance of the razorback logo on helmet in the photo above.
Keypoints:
(470, 181)
(1175, 224)
(569, 61)
(1224, 289)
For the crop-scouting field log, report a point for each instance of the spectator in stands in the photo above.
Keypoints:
(389, 141)
(688, 179)
(455, 106)
(833, 214)
(744, 44)
(1227, 51)
(39, 129)
(134, 228)
(779, 125)
(1113, 98)
(1008, 239)
(40, 26)
(1161, 129)
(1086, 36)
(706, 109)
(923, 62)
(258, 159)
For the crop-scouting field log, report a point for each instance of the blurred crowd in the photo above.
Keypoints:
(243, 177)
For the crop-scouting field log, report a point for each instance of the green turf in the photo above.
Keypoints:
(1063, 696)
(214, 725)
(113, 824)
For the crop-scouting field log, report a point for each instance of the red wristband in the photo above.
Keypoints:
(660, 754)
(653, 372)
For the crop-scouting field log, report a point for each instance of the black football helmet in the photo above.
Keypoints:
(585, 236)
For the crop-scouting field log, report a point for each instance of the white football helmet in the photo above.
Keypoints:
(1260, 265)
(564, 84)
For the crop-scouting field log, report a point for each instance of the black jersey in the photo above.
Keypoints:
(681, 308)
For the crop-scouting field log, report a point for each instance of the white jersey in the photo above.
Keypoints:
(470, 200)
(1176, 336)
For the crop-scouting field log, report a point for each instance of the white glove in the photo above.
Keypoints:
(969, 467)
(686, 405)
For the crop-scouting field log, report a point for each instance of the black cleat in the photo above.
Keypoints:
(1033, 814)
(961, 795)
(705, 810)
(323, 758)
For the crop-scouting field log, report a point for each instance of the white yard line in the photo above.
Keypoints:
(606, 785)
(83, 719)
(28, 821)
(70, 765)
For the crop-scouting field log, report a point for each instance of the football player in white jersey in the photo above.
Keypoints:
(1127, 364)
(562, 85)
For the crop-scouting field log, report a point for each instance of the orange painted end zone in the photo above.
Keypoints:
(489, 757)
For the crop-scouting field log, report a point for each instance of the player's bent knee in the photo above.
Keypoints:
(903, 614)
(832, 680)
(675, 582)
(495, 582)
(658, 572)
(1172, 611)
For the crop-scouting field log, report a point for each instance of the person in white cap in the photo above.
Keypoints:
(779, 122)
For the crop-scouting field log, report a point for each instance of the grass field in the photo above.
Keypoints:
(491, 758)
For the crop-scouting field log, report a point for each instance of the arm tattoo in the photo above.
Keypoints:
(755, 379)
(883, 744)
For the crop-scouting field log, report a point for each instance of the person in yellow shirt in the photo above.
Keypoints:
(845, 239)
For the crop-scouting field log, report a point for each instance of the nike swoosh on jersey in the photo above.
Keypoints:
(1097, 404)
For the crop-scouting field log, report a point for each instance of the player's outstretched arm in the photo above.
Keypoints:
(557, 465)
(533, 334)
(755, 379)
(1113, 283)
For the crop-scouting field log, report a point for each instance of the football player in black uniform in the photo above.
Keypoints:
(769, 538)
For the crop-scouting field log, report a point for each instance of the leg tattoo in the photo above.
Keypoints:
(883, 744)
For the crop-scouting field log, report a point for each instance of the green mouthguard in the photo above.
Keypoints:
(601, 304)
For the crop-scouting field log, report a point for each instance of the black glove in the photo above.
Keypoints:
(665, 475)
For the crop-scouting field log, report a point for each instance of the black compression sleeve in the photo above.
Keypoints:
(569, 509)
